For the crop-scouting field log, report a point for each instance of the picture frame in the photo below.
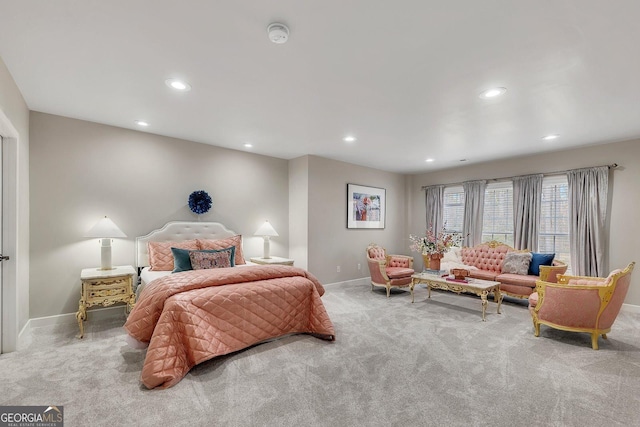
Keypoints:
(366, 206)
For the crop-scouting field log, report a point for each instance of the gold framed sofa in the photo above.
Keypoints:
(516, 270)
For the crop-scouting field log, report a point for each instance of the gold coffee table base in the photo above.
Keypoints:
(482, 288)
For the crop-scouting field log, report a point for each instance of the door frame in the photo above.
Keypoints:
(10, 301)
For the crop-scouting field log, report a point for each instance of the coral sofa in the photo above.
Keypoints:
(489, 260)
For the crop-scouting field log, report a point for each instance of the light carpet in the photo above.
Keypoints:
(394, 363)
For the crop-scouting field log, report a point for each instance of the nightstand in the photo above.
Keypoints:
(105, 288)
(273, 260)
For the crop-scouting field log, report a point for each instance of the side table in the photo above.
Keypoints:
(105, 288)
(273, 260)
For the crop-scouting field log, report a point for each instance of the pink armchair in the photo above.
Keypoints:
(580, 304)
(388, 270)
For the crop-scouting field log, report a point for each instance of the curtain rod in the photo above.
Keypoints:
(611, 166)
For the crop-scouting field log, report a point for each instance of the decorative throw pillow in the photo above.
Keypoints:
(160, 256)
(539, 259)
(182, 260)
(516, 262)
(201, 260)
(225, 243)
(453, 255)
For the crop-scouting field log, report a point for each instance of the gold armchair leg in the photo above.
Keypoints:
(388, 290)
(594, 341)
(536, 329)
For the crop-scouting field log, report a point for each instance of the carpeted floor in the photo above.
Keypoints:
(431, 363)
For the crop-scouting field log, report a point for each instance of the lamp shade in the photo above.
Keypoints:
(105, 228)
(266, 229)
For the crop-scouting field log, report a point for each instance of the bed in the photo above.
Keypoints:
(191, 316)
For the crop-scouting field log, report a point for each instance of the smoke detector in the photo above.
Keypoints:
(278, 33)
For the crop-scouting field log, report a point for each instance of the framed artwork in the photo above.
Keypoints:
(365, 206)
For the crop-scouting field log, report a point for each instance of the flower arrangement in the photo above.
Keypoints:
(435, 243)
(199, 202)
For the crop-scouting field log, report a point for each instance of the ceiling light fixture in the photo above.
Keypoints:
(278, 33)
(349, 138)
(492, 93)
(429, 160)
(248, 145)
(178, 85)
(142, 123)
(550, 137)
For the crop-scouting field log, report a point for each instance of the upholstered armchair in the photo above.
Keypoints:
(580, 304)
(388, 270)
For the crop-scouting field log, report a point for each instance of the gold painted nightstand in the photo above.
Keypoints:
(273, 260)
(105, 288)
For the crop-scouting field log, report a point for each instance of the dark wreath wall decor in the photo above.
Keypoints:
(199, 202)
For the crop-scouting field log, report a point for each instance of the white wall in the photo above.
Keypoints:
(330, 242)
(16, 207)
(81, 171)
(624, 201)
(299, 211)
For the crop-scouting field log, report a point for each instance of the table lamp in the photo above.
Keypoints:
(266, 230)
(105, 229)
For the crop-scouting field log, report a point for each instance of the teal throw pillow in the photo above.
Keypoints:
(539, 259)
(182, 261)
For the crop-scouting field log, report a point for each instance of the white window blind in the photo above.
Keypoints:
(553, 235)
(453, 214)
(497, 221)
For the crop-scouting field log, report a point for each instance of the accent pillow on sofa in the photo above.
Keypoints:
(453, 255)
(516, 262)
(182, 259)
(201, 260)
(225, 243)
(539, 259)
(160, 256)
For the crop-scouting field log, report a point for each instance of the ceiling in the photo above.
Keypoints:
(403, 77)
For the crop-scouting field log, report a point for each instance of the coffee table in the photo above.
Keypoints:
(475, 286)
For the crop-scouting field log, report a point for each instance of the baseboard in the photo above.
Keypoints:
(94, 314)
(361, 281)
(630, 308)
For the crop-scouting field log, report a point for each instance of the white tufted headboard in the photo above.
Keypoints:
(179, 231)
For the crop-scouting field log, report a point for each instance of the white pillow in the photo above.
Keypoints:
(453, 255)
(448, 265)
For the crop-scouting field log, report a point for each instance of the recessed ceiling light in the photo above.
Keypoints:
(142, 123)
(429, 160)
(178, 85)
(492, 93)
(349, 138)
(248, 145)
(550, 137)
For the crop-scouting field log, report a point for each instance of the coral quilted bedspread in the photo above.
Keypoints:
(193, 316)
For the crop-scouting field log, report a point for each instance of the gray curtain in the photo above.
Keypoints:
(434, 203)
(527, 198)
(473, 210)
(587, 213)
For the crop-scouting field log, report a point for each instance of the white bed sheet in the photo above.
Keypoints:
(147, 275)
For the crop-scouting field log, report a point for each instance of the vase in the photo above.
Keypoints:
(432, 261)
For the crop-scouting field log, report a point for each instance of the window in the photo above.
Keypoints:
(497, 221)
(453, 214)
(497, 224)
(553, 235)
